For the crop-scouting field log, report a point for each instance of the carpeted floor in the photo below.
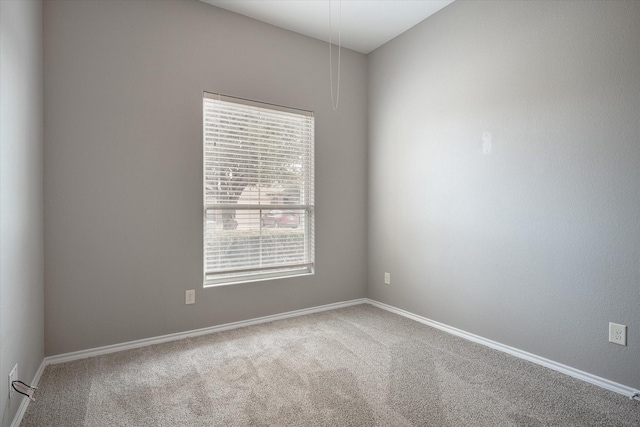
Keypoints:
(357, 366)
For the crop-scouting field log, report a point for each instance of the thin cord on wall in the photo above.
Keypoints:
(334, 104)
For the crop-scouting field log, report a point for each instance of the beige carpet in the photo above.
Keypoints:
(358, 366)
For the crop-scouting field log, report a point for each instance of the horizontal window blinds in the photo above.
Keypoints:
(258, 190)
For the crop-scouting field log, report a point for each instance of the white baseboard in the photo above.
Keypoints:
(17, 419)
(567, 370)
(83, 354)
(77, 355)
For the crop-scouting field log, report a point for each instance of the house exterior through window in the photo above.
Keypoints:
(258, 202)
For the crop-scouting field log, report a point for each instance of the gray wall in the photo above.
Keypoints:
(536, 245)
(21, 230)
(123, 166)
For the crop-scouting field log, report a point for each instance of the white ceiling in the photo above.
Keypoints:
(366, 24)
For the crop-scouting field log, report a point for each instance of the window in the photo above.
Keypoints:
(258, 191)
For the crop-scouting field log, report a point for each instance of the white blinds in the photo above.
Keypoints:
(258, 190)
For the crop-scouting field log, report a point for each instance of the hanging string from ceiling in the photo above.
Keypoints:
(334, 104)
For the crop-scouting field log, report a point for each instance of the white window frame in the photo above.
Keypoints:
(214, 131)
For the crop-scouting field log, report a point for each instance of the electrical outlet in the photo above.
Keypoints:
(13, 376)
(190, 297)
(617, 333)
(387, 278)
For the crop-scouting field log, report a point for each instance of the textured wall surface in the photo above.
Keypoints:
(536, 245)
(21, 223)
(123, 166)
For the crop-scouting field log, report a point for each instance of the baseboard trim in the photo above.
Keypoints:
(83, 354)
(559, 367)
(17, 419)
(567, 370)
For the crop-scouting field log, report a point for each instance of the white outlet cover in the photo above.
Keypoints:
(387, 278)
(617, 333)
(13, 376)
(190, 297)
